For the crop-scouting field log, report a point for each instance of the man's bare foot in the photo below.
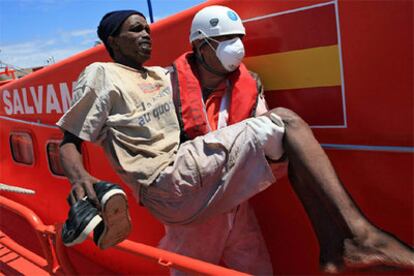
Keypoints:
(332, 268)
(379, 248)
(331, 258)
(374, 250)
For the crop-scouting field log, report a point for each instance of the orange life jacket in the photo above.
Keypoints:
(189, 100)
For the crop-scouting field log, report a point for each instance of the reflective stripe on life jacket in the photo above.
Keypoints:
(189, 100)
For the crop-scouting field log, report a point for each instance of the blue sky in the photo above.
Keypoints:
(33, 31)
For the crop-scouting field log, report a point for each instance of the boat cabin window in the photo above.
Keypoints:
(53, 158)
(21, 145)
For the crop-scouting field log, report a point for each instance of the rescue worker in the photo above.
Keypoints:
(128, 109)
(213, 89)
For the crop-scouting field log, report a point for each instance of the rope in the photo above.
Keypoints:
(15, 189)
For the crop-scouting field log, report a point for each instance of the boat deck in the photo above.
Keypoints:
(13, 262)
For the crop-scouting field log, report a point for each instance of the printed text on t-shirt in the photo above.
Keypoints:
(156, 112)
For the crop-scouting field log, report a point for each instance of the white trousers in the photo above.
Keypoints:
(198, 197)
(233, 238)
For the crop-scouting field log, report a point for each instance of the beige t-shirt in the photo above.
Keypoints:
(131, 116)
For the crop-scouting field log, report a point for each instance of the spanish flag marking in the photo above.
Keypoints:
(304, 29)
(297, 57)
(314, 67)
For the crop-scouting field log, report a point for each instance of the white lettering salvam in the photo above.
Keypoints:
(8, 105)
(37, 98)
(52, 102)
(27, 108)
(65, 96)
(17, 103)
(20, 101)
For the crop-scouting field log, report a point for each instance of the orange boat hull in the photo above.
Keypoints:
(345, 66)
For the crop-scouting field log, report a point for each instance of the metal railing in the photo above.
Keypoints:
(56, 260)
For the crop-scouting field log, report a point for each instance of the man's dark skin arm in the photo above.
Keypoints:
(72, 163)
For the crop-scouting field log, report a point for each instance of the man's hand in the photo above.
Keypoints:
(84, 188)
(72, 163)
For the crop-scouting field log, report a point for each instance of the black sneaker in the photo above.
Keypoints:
(116, 223)
(82, 219)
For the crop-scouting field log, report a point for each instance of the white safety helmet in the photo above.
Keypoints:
(216, 21)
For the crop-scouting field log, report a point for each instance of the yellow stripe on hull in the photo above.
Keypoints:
(313, 67)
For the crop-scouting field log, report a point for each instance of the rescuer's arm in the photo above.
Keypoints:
(72, 163)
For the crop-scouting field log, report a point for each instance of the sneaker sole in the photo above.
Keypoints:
(116, 218)
(88, 229)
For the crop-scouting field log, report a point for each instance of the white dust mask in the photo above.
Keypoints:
(230, 53)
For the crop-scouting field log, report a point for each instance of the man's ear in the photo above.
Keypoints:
(112, 42)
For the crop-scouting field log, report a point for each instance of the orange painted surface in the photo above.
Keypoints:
(306, 101)
(17, 259)
(292, 31)
(13, 264)
(375, 100)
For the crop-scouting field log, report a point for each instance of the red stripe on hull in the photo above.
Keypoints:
(325, 102)
(292, 31)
